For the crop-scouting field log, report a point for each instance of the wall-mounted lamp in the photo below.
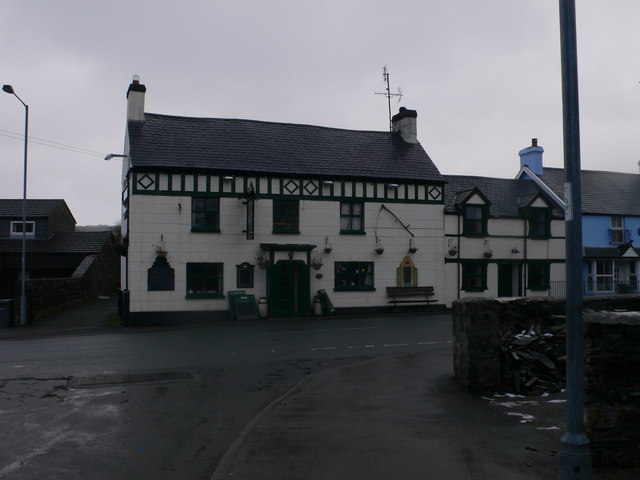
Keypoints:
(228, 178)
(327, 182)
(115, 155)
(392, 186)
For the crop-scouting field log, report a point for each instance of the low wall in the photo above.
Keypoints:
(519, 344)
(612, 387)
(50, 294)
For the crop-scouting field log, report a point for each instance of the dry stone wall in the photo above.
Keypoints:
(518, 345)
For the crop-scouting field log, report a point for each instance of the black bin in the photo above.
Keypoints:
(7, 312)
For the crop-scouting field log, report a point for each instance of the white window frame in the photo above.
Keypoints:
(30, 231)
(605, 277)
(616, 233)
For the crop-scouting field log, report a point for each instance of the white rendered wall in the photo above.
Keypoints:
(156, 219)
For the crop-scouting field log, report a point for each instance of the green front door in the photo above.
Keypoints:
(509, 283)
(289, 289)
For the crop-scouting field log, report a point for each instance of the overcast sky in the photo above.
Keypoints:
(483, 76)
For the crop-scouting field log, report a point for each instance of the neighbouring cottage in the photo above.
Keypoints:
(610, 229)
(505, 237)
(278, 210)
(54, 250)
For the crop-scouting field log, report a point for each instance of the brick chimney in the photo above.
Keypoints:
(532, 157)
(405, 123)
(135, 100)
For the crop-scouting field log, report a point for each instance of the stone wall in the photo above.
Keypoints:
(96, 275)
(49, 294)
(483, 360)
(612, 387)
(480, 326)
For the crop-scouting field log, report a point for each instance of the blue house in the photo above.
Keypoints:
(610, 223)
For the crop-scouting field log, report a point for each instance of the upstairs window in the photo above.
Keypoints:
(351, 217)
(616, 233)
(16, 229)
(205, 214)
(474, 220)
(539, 222)
(286, 216)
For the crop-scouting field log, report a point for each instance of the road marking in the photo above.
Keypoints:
(396, 344)
(324, 348)
(317, 330)
(360, 346)
(427, 343)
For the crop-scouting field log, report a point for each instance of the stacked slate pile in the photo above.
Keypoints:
(533, 358)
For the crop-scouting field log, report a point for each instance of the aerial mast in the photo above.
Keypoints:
(388, 94)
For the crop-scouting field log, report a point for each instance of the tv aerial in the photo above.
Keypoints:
(388, 94)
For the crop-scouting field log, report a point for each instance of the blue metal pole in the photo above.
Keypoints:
(23, 285)
(575, 454)
(23, 297)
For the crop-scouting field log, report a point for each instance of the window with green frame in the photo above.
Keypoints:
(539, 222)
(352, 218)
(204, 280)
(474, 220)
(205, 214)
(474, 276)
(538, 276)
(286, 216)
(353, 276)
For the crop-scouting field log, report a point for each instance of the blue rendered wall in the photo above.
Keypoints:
(595, 230)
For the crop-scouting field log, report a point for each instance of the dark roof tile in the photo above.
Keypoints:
(35, 207)
(62, 242)
(603, 193)
(249, 146)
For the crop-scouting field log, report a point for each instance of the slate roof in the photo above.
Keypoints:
(249, 146)
(35, 207)
(505, 194)
(603, 193)
(61, 242)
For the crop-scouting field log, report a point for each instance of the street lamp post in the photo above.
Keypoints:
(23, 297)
(575, 453)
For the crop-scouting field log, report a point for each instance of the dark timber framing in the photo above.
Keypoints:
(218, 184)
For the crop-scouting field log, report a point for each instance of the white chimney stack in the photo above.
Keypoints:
(405, 122)
(135, 100)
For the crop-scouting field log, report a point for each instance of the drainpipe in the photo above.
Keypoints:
(524, 262)
(458, 264)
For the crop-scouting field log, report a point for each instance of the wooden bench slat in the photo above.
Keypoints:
(395, 292)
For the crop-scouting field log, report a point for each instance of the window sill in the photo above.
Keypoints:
(203, 295)
(352, 232)
(286, 232)
(353, 288)
(474, 235)
(205, 230)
